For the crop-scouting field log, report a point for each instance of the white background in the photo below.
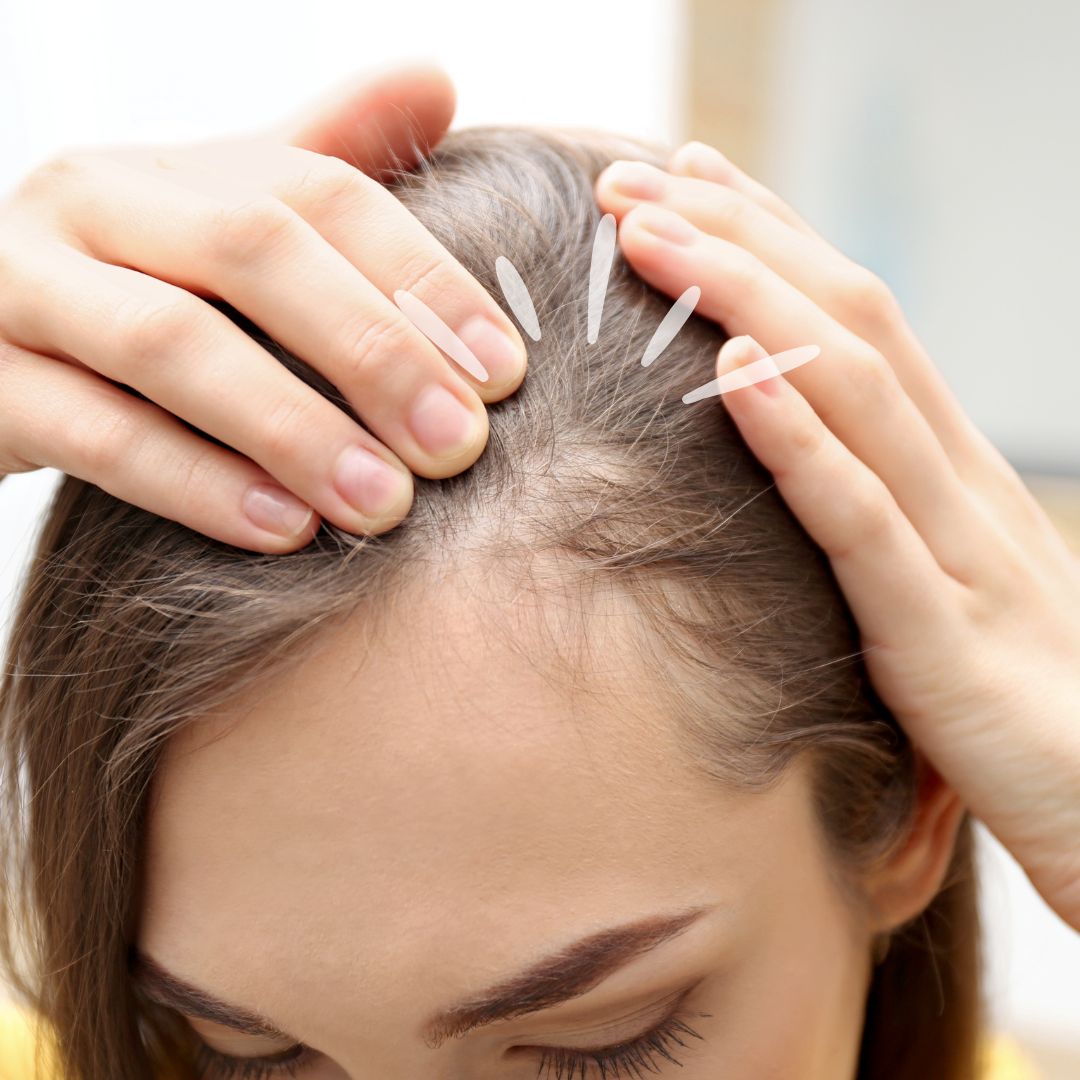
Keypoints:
(936, 143)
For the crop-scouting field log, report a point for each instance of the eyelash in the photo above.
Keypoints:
(211, 1064)
(638, 1053)
(635, 1054)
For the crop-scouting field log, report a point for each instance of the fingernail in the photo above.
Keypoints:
(501, 356)
(666, 224)
(441, 423)
(276, 510)
(738, 350)
(703, 161)
(768, 378)
(636, 179)
(367, 482)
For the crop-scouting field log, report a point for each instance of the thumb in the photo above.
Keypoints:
(379, 121)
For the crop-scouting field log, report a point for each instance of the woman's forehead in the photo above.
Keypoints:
(359, 802)
(440, 733)
(461, 676)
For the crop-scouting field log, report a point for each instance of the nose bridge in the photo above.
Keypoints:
(394, 1056)
(396, 1067)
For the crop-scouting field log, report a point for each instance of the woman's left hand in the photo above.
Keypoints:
(966, 595)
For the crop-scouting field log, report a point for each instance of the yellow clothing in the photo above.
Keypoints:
(1005, 1060)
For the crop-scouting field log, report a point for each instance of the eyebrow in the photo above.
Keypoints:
(572, 971)
(567, 974)
(166, 989)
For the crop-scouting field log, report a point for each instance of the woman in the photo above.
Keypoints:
(599, 699)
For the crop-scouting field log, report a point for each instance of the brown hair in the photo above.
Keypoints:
(130, 625)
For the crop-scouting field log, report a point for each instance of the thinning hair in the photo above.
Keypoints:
(130, 626)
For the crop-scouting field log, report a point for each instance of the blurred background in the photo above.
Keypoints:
(937, 144)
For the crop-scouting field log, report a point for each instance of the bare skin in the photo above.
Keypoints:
(385, 831)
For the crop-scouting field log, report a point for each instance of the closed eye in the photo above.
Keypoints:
(644, 1051)
(211, 1064)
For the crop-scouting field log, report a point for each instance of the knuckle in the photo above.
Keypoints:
(238, 233)
(734, 212)
(866, 299)
(874, 515)
(869, 377)
(285, 431)
(193, 480)
(365, 345)
(868, 516)
(422, 275)
(65, 169)
(106, 439)
(327, 183)
(805, 441)
(151, 331)
(745, 275)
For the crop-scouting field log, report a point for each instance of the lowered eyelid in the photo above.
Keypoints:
(227, 1040)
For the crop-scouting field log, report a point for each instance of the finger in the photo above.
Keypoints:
(360, 217)
(273, 266)
(68, 418)
(848, 292)
(893, 583)
(387, 243)
(369, 225)
(724, 202)
(190, 359)
(379, 121)
(852, 387)
(832, 280)
(707, 163)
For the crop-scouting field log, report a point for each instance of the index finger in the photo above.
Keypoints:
(394, 252)
(368, 224)
(707, 163)
(748, 216)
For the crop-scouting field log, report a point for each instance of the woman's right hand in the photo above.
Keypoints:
(966, 594)
(107, 256)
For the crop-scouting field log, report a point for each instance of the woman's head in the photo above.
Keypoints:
(601, 679)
